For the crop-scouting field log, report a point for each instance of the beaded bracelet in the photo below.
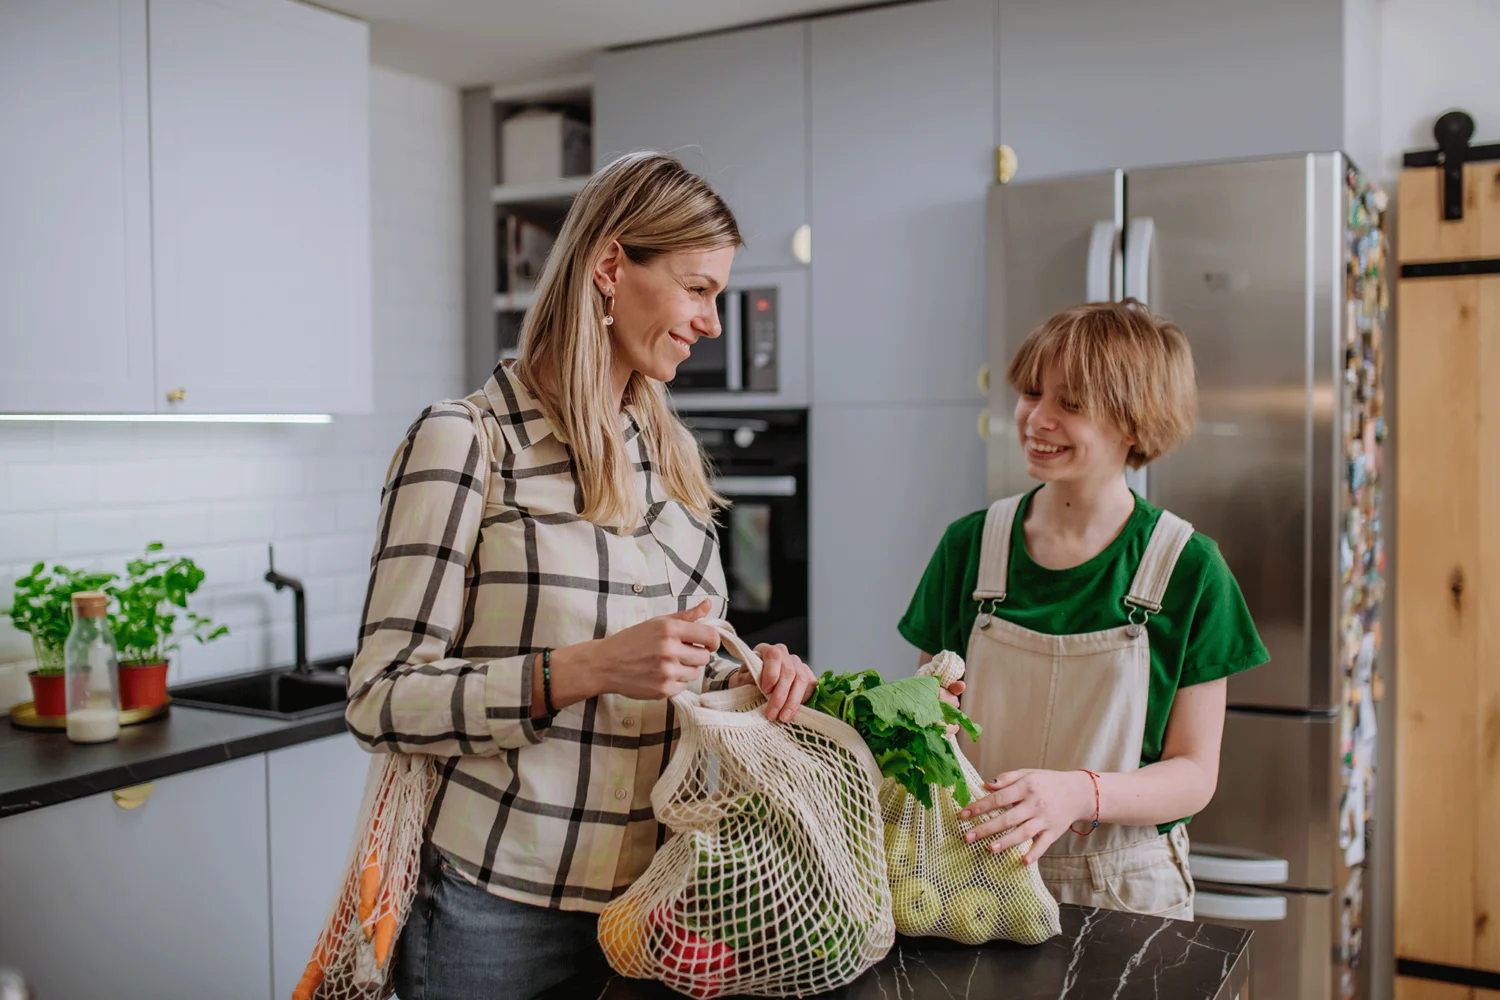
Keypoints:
(1095, 824)
(547, 683)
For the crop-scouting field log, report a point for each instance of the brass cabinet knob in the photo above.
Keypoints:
(984, 378)
(133, 797)
(984, 424)
(177, 395)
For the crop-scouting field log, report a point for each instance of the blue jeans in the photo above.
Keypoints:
(463, 943)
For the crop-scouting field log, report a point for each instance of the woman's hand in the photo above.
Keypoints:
(1042, 805)
(785, 679)
(655, 659)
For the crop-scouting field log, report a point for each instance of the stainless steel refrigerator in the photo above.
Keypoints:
(1274, 269)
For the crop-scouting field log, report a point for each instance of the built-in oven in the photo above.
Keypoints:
(760, 465)
(745, 357)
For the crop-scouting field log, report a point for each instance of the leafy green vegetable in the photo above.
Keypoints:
(904, 723)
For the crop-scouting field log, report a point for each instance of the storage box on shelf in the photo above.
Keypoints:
(527, 154)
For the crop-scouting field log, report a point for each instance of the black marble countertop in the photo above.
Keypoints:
(43, 769)
(1100, 955)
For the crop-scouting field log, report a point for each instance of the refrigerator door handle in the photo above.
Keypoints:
(1239, 871)
(1222, 906)
(1139, 239)
(1103, 246)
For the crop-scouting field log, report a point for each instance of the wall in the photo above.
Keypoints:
(1436, 56)
(94, 494)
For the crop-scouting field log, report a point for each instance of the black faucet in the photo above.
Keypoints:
(280, 580)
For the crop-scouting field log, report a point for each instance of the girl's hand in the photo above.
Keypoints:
(785, 679)
(950, 695)
(656, 659)
(1042, 805)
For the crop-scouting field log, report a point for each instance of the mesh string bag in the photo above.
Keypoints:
(944, 887)
(352, 957)
(773, 882)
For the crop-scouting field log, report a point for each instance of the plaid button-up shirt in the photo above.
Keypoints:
(462, 601)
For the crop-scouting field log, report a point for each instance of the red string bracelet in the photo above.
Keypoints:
(1095, 824)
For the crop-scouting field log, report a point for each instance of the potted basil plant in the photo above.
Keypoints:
(149, 616)
(43, 606)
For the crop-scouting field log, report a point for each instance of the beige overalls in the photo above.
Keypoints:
(1078, 701)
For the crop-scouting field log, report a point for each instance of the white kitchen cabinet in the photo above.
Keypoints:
(902, 122)
(75, 226)
(261, 206)
(885, 482)
(734, 108)
(314, 794)
(166, 900)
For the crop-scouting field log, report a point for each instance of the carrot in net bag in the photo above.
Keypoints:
(773, 882)
(940, 885)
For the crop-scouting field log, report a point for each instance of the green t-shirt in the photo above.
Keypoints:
(1203, 631)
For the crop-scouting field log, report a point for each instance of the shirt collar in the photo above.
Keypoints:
(517, 410)
(520, 414)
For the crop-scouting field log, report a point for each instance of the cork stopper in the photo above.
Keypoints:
(90, 604)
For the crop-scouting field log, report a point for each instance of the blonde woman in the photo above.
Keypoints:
(1100, 630)
(530, 645)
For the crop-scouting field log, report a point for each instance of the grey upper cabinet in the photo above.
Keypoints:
(1093, 84)
(734, 108)
(75, 204)
(164, 900)
(260, 156)
(902, 155)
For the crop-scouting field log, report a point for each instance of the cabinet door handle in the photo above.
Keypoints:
(984, 378)
(177, 396)
(802, 244)
(133, 797)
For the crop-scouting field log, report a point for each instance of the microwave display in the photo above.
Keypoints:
(743, 357)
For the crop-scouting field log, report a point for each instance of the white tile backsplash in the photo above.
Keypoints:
(93, 495)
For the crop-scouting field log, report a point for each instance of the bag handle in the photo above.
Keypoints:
(730, 639)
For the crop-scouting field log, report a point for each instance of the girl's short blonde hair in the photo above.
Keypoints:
(1122, 365)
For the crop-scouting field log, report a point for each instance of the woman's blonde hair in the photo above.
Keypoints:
(1121, 364)
(652, 205)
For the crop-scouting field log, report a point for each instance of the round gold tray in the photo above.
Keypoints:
(24, 716)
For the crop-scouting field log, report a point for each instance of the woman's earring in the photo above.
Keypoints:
(609, 310)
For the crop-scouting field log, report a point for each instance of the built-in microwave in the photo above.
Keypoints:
(745, 356)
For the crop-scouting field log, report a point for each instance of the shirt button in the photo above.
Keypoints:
(637, 588)
(628, 722)
(620, 794)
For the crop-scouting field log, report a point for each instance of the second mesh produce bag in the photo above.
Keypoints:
(944, 887)
(773, 882)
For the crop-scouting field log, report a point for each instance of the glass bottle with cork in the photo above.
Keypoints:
(91, 663)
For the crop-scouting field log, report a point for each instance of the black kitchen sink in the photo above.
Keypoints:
(277, 694)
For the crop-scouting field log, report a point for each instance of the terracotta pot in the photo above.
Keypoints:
(50, 693)
(143, 685)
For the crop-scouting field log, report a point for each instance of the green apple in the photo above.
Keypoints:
(973, 915)
(900, 848)
(916, 905)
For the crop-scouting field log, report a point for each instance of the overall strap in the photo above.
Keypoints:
(994, 555)
(1168, 539)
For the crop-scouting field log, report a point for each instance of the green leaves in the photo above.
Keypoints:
(144, 622)
(904, 723)
(43, 604)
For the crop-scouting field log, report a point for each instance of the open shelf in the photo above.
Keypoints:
(561, 190)
(514, 301)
